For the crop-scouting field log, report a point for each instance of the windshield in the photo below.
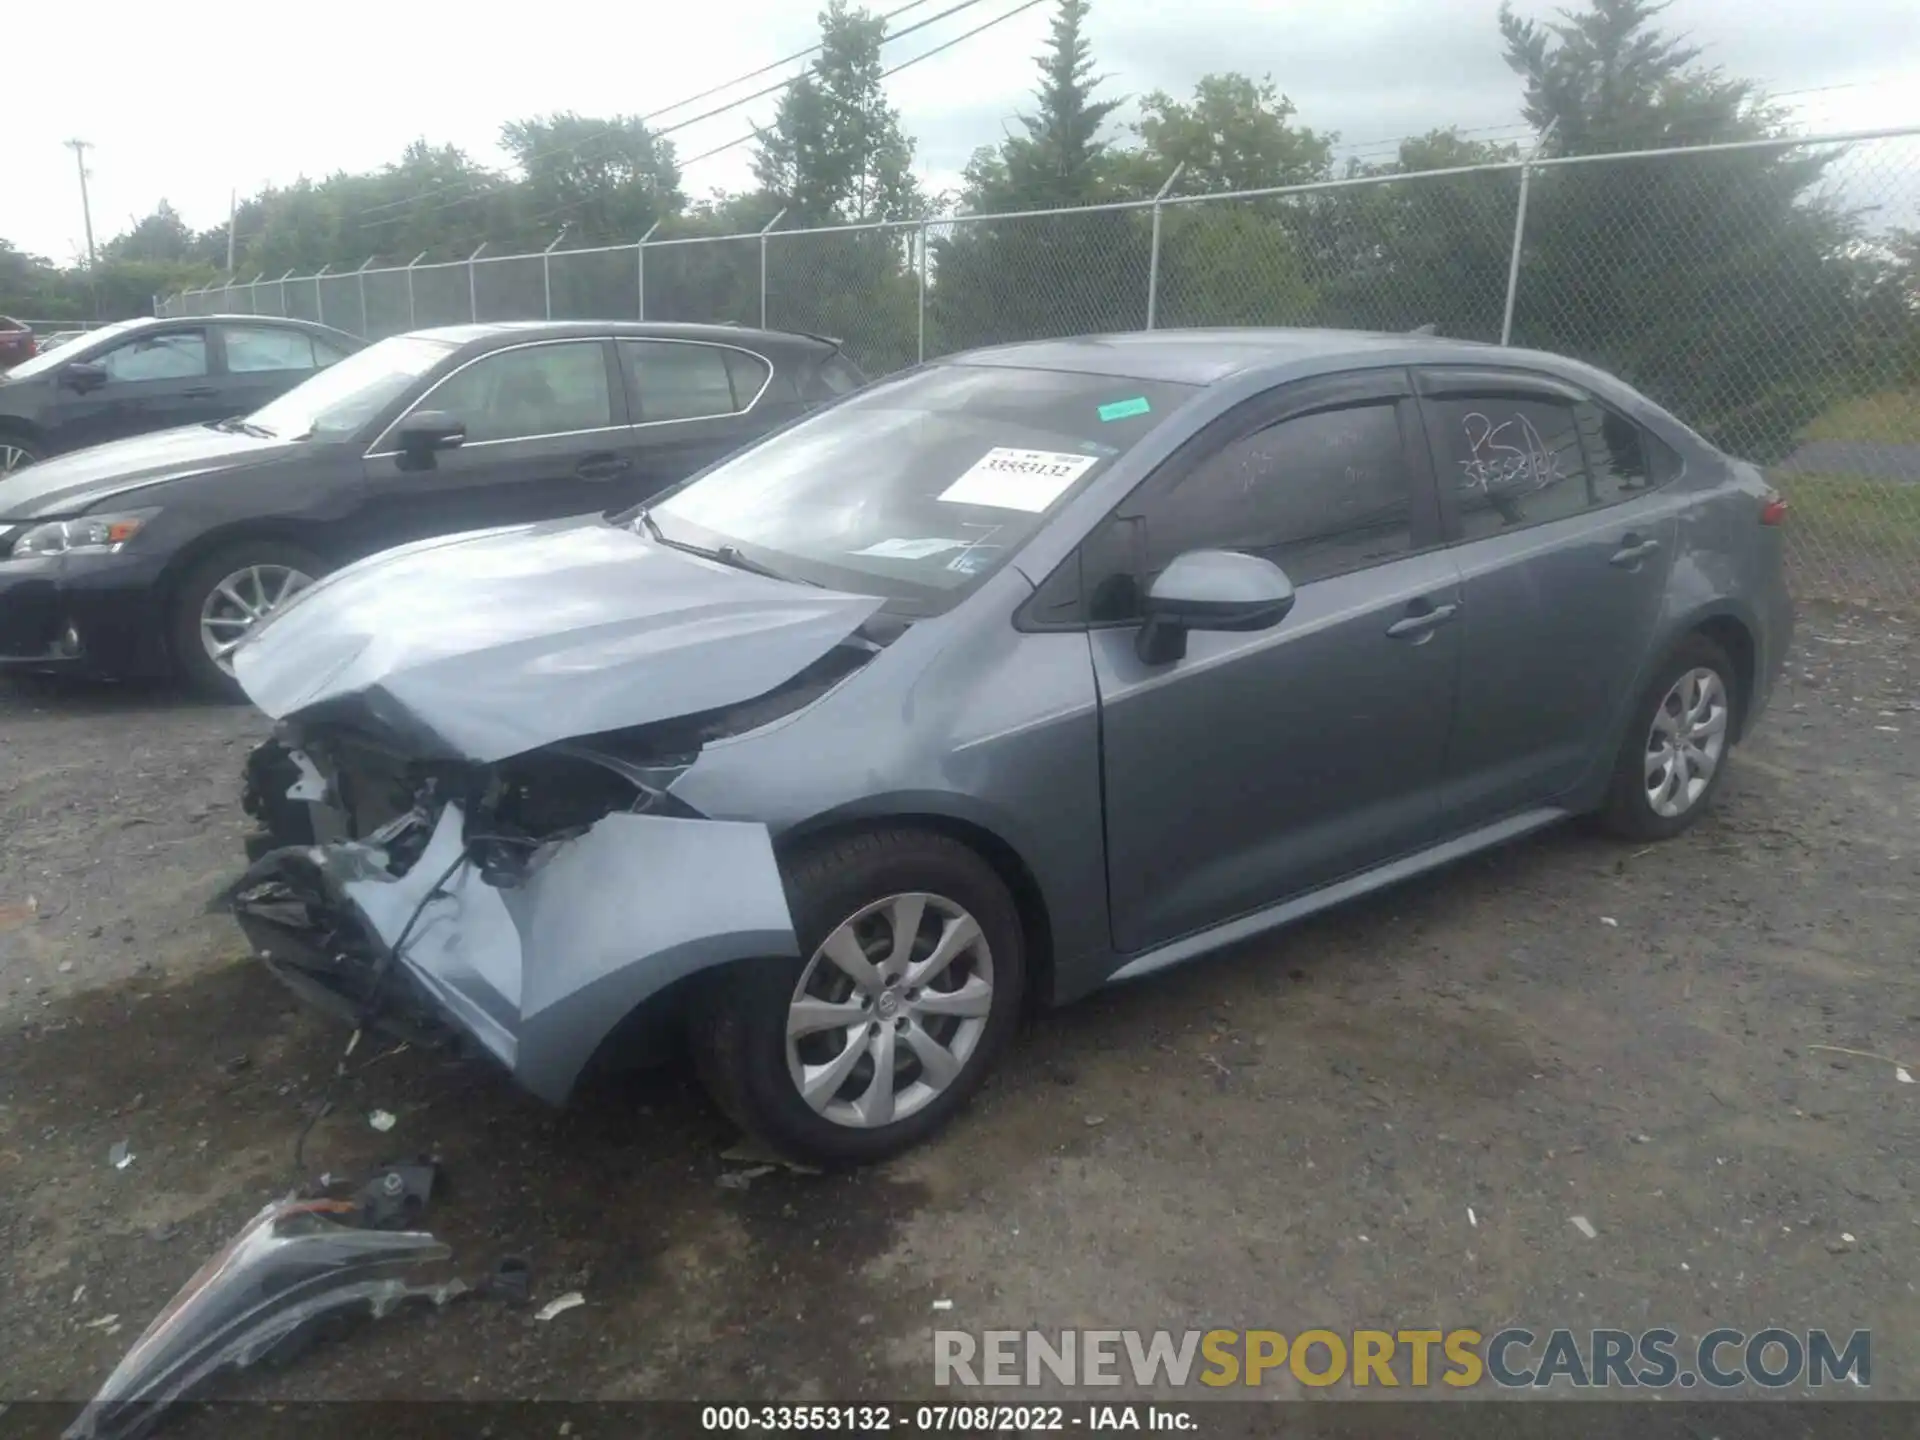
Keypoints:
(46, 360)
(916, 488)
(341, 398)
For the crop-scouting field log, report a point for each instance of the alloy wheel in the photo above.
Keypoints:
(13, 457)
(889, 1010)
(1686, 742)
(240, 602)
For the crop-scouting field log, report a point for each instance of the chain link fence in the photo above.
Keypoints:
(1767, 292)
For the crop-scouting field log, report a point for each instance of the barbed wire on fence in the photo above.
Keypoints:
(1762, 290)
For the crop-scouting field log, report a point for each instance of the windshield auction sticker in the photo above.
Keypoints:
(1010, 479)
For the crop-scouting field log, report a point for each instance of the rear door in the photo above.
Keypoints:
(155, 380)
(693, 403)
(265, 361)
(1265, 764)
(1564, 543)
(546, 437)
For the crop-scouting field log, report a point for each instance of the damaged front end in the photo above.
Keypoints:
(297, 1268)
(533, 902)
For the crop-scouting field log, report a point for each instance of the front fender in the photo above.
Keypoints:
(541, 971)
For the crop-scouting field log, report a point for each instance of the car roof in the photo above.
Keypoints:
(1207, 356)
(636, 329)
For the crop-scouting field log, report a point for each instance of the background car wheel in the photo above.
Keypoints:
(1677, 745)
(222, 598)
(15, 454)
(908, 983)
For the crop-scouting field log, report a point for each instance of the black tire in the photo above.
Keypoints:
(1628, 811)
(740, 1039)
(191, 662)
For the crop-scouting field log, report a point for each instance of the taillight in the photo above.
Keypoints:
(1773, 510)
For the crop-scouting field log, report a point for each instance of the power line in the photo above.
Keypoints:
(925, 55)
(473, 187)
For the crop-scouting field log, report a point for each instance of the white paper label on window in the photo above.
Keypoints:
(902, 549)
(1009, 479)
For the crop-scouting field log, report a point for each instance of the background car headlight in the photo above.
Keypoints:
(89, 535)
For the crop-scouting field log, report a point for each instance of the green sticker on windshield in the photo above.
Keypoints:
(1121, 409)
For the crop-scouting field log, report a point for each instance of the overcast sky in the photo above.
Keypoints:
(285, 90)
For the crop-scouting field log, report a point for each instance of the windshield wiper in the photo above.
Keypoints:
(725, 554)
(242, 426)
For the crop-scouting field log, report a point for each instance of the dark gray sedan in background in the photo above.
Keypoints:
(1027, 671)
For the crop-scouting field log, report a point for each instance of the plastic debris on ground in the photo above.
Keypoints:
(749, 1151)
(382, 1120)
(566, 1302)
(741, 1179)
(120, 1156)
(1584, 1226)
(943, 1304)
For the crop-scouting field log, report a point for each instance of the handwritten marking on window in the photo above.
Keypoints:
(1507, 456)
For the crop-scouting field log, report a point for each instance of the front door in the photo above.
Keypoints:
(153, 381)
(545, 438)
(1262, 765)
(1564, 546)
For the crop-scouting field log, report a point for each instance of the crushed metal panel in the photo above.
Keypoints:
(542, 971)
(504, 641)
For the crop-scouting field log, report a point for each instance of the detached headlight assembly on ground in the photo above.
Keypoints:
(88, 535)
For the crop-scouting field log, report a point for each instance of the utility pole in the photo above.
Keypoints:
(233, 214)
(80, 148)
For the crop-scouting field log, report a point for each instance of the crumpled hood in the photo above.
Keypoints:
(71, 484)
(494, 643)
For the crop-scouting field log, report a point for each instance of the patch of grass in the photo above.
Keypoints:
(1892, 417)
(1882, 516)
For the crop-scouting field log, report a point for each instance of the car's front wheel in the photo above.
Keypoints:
(223, 598)
(907, 985)
(1677, 744)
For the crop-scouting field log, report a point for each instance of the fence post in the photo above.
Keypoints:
(253, 292)
(413, 319)
(920, 320)
(1519, 233)
(319, 299)
(365, 328)
(640, 267)
(473, 285)
(1153, 257)
(283, 289)
(546, 271)
(765, 231)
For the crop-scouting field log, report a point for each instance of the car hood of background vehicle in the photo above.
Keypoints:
(73, 484)
(493, 643)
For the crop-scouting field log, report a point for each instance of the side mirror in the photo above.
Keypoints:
(426, 431)
(1210, 590)
(84, 375)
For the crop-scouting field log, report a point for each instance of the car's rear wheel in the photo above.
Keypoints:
(15, 454)
(907, 985)
(1677, 744)
(223, 598)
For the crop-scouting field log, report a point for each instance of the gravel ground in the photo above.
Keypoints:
(1288, 1136)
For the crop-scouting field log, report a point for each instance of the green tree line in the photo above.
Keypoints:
(1736, 287)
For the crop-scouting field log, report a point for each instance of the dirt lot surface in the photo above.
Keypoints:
(1289, 1136)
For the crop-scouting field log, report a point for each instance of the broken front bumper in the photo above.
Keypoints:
(538, 965)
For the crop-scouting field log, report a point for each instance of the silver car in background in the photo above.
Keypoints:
(1026, 671)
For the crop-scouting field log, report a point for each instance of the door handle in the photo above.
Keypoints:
(199, 392)
(1420, 624)
(1632, 551)
(603, 467)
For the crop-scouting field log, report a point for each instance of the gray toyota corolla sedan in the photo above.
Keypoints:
(1027, 671)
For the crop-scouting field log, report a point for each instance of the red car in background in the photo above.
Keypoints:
(16, 342)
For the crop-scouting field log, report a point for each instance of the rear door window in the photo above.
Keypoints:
(252, 348)
(1510, 462)
(678, 380)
